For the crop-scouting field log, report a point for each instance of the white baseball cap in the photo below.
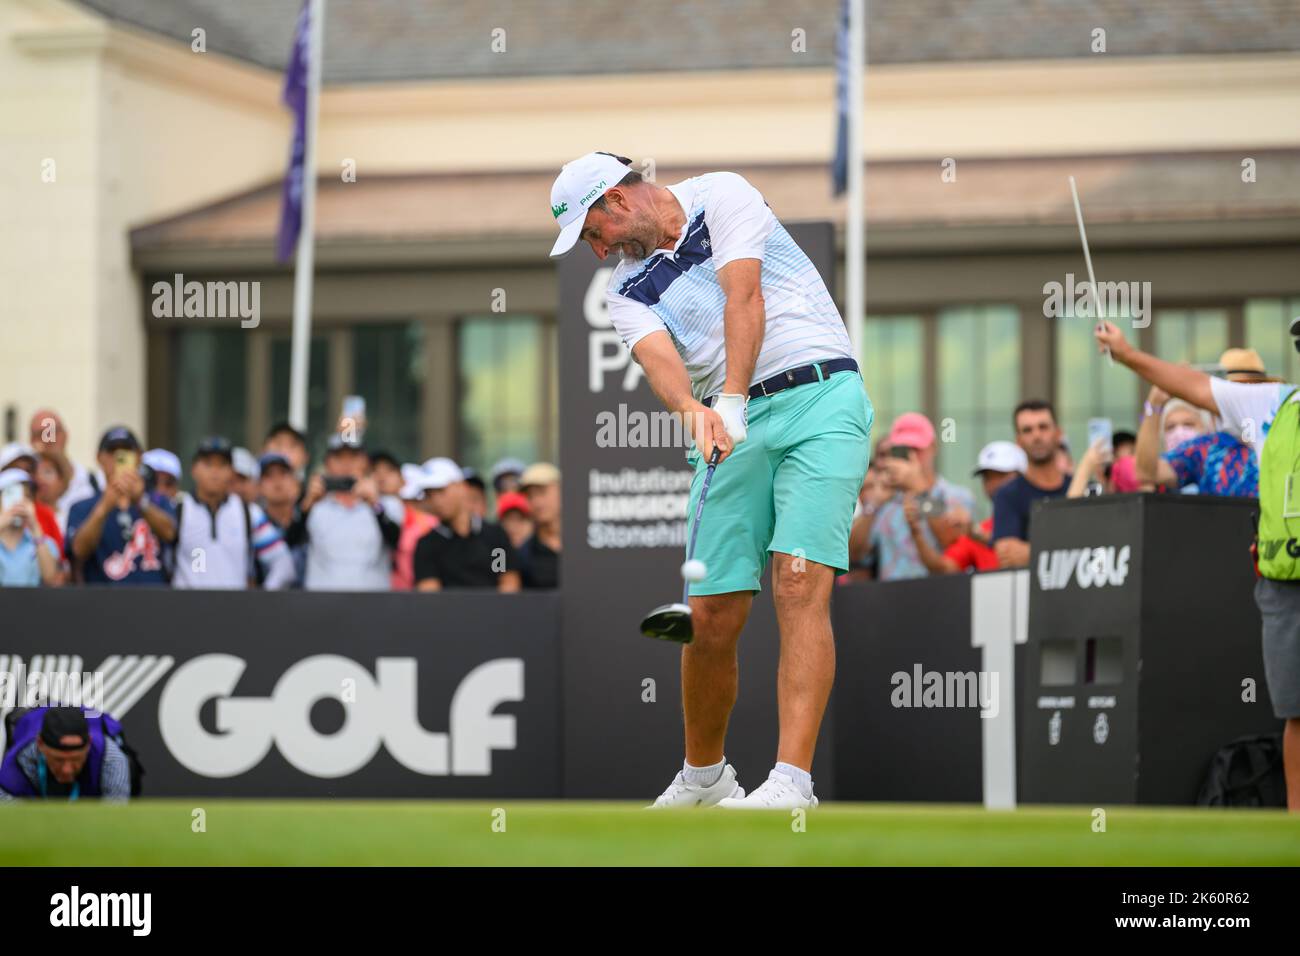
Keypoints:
(1001, 456)
(15, 451)
(412, 475)
(161, 460)
(242, 460)
(580, 184)
(439, 473)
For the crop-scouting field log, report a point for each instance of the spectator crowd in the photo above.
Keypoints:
(361, 521)
(912, 521)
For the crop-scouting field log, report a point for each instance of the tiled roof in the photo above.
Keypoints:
(370, 41)
(1114, 189)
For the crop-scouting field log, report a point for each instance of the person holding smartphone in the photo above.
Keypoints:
(916, 510)
(28, 558)
(350, 529)
(115, 536)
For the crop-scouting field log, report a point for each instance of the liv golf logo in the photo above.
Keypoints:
(1086, 567)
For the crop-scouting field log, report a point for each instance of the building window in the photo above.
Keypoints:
(388, 372)
(1088, 385)
(503, 386)
(977, 385)
(1268, 331)
(210, 388)
(893, 368)
(321, 419)
(1191, 336)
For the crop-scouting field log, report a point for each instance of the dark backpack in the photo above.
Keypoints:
(119, 738)
(1246, 773)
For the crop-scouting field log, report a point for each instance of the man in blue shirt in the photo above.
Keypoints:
(1038, 434)
(115, 536)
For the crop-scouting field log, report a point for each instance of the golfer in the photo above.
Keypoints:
(736, 332)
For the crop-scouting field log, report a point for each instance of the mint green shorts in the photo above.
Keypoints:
(791, 486)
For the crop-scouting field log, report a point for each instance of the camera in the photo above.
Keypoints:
(339, 482)
(931, 507)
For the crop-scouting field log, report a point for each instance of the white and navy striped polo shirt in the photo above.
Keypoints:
(677, 289)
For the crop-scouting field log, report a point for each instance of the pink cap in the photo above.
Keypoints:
(1123, 474)
(912, 430)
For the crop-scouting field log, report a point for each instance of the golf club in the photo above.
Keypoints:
(1087, 258)
(672, 622)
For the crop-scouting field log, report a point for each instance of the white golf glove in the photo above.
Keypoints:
(735, 417)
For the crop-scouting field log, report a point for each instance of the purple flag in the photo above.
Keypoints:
(840, 164)
(295, 97)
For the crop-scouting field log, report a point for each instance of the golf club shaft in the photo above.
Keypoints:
(1087, 258)
(699, 511)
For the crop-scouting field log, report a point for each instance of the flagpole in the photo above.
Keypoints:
(855, 226)
(304, 270)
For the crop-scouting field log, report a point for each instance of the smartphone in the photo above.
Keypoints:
(354, 407)
(1100, 428)
(13, 495)
(339, 482)
(127, 459)
(900, 451)
(932, 507)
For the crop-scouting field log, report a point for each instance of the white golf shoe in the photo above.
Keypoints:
(777, 792)
(682, 794)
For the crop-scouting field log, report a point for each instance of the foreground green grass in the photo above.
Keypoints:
(324, 833)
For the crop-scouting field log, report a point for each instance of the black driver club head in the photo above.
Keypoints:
(669, 622)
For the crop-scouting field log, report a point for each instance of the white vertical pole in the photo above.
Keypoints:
(304, 271)
(855, 225)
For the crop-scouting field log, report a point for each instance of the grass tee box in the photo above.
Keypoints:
(422, 833)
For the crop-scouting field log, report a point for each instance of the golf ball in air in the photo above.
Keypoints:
(694, 570)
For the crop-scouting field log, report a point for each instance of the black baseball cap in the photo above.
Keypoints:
(272, 458)
(60, 722)
(215, 445)
(387, 456)
(117, 437)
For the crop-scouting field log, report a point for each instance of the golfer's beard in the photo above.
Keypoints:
(1041, 457)
(640, 240)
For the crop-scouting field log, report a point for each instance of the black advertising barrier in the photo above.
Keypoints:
(927, 688)
(888, 744)
(1144, 647)
(1136, 672)
(296, 694)
(625, 493)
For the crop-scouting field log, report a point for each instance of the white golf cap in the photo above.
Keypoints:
(15, 451)
(412, 476)
(439, 473)
(1001, 456)
(580, 184)
(244, 463)
(163, 461)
